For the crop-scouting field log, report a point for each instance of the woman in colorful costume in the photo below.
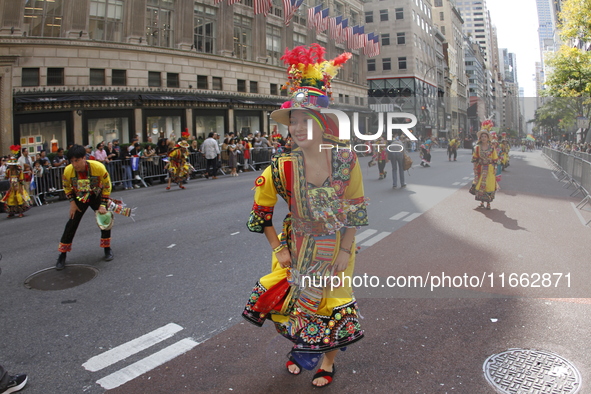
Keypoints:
(16, 200)
(505, 148)
(485, 160)
(324, 192)
(178, 167)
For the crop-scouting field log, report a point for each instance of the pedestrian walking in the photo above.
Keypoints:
(396, 157)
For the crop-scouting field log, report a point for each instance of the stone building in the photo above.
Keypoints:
(84, 71)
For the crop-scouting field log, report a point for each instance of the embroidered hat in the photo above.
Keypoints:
(309, 80)
(105, 221)
(183, 144)
(483, 131)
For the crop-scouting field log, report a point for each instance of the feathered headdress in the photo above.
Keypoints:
(309, 81)
(308, 68)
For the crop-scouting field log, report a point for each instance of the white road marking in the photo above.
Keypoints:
(463, 183)
(365, 234)
(455, 183)
(467, 178)
(411, 217)
(376, 239)
(399, 215)
(136, 369)
(237, 232)
(171, 246)
(134, 346)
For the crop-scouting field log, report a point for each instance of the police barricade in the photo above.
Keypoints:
(577, 170)
(48, 184)
(261, 157)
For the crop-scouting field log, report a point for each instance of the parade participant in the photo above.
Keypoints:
(16, 200)
(452, 148)
(426, 153)
(324, 193)
(485, 159)
(178, 167)
(505, 148)
(381, 157)
(86, 184)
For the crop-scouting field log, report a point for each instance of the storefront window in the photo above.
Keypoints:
(248, 124)
(44, 135)
(164, 127)
(107, 129)
(207, 124)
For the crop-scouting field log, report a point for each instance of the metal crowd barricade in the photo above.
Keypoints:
(261, 157)
(575, 170)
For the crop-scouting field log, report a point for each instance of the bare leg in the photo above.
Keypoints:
(327, 365)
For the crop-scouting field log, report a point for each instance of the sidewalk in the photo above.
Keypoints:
(420, 342)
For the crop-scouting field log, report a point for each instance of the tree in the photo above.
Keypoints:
(576, 20)
(571, 73)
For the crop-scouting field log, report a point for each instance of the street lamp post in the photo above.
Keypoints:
(425, 113)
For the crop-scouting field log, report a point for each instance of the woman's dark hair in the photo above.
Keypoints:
(76, 151)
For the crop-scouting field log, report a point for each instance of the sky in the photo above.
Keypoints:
(517, 30)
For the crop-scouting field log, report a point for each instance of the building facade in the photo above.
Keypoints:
(403, 77)
(85, 71)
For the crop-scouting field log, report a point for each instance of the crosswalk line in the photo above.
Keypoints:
(412, 216)
(399, 215)
(121, 352)
(140, 367)
(463, 183)
(376, 239)
(455, 183)
(363, 235)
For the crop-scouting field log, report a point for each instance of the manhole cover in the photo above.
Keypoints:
(522, 371)
(52, 279)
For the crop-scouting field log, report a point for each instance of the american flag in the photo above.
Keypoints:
(352, 37)
(233, 1)
(334, 27)
(369, 45)
(361, 37)
(341, 38)
(312, 16)
(322, 21)
(262, 7)
(372, 48)
(289, 9)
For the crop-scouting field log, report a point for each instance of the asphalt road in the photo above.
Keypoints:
(182, 270)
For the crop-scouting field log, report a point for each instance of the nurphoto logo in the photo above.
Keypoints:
(387, 121)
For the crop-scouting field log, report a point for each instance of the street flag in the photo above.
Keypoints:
(312, 16)
(343, 31)
(262, 7)
(233, 1)
(322, 18)
(289, 9)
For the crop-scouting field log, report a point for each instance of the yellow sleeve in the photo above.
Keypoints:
(265, 198)
(355, 195)
(67, 183)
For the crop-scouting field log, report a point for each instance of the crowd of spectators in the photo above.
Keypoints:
(569, 146)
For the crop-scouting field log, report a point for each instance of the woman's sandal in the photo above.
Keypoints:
(488, 205)
(167, 187)
(481, 205)
(292, 361)
(321, 373)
